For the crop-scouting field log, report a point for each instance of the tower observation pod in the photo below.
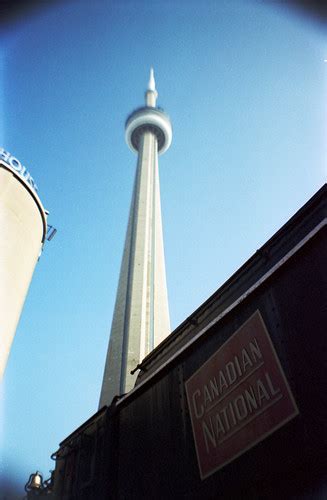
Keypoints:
(23, 229)
(141, 315)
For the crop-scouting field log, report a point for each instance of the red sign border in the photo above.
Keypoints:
(266, 434)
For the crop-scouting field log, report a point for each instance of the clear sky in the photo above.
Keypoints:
(245, 86)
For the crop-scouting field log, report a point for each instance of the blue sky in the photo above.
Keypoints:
(245, 86)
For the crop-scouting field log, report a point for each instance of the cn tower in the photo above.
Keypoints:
(141, 315)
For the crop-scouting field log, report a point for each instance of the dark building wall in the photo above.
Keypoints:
(156, 428)
(143, 445)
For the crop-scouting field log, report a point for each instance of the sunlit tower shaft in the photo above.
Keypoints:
(141, 315)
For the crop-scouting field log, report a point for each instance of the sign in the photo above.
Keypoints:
(18, 167)
(238, 397)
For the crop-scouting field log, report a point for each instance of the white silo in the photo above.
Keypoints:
(23, 230)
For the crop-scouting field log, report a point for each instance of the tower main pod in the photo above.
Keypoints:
(141, 314)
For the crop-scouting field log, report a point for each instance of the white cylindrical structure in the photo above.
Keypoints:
(22, 233)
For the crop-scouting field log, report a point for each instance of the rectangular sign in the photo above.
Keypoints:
(238, 397)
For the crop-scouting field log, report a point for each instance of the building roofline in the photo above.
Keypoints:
(256, 260)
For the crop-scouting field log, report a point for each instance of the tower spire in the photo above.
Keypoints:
(141, 316)
(151, 93)
(152, 82)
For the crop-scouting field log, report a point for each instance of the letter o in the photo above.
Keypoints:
(15, 163)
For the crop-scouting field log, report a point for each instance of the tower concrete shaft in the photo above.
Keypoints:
(141, 315)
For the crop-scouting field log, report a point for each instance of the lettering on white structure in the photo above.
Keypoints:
(18, 167)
